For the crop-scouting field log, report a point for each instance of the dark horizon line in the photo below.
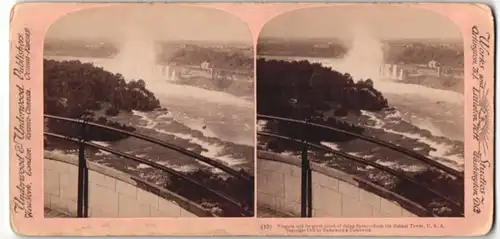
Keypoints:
(213, 42)
(341, 41)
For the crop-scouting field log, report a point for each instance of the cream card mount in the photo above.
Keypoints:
(251, 119)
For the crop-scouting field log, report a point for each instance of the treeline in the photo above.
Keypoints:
(311, 87)
(77, 90)
(422, 54)
(230, 59)
(80, 49)
(396, 52)
(306, 49)
(240, 88)
(302, 90)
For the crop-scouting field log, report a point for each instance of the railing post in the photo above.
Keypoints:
(303, 182)
(309, 186)
(307, 170)
(82, 204)
(306, 179)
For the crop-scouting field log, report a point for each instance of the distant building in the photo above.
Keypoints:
(433, 64)
(205, 65)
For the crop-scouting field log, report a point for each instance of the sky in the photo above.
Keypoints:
(342, 22)
(151, 22)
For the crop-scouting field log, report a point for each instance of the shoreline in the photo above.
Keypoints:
(100, 62)
(319, 59)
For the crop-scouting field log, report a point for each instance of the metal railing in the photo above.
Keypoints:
(306, 181)
(82, 193)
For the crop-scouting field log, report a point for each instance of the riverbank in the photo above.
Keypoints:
(448, 83)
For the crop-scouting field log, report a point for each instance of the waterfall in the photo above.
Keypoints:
(364, 59)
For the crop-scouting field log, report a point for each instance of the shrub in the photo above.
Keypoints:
(112, 111)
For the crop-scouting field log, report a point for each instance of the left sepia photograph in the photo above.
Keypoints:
(148, 112)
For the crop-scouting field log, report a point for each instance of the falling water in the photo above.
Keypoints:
(364, 58)
(137, 60)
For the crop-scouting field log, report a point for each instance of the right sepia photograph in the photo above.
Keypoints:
(360, 113)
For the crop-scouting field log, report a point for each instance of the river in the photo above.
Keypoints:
(429, 121)
(215, 124)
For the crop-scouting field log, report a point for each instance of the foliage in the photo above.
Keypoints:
(73, 89)
(304, 91)
(230, 60)
(298, 48)
(78, 87)
(112, 111)
(79, 48)
(300, 89)
(422, 54)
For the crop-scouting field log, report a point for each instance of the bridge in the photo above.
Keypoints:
(292, 186)
(77, 187)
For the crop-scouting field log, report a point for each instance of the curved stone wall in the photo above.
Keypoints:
(112, 194)
(334, 193)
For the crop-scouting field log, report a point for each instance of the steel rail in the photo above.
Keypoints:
(407, 152)
(149, 163)
(173, 147)
(365, 162)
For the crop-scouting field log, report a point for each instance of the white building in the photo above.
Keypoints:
(205, 65)
(433, 64)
